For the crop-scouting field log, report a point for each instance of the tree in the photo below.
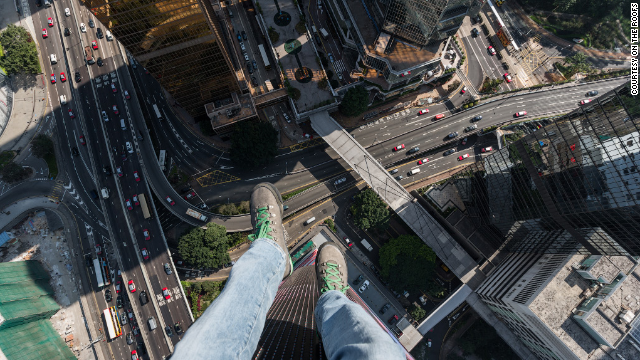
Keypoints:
(355, 101)
(41, 146)
(205, 248)
(417, 313)
(20, 52)
(322, 84)
(254, 144)
(369, 211)
(408, 264)
(13, 172)
(578, 63)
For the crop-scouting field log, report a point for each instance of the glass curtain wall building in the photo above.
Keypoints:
(572, 185)
(179, 42)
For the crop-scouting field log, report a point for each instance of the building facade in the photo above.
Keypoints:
(179, 42)
(572, 185)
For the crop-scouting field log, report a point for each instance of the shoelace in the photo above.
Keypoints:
(262, 227)
(332, 270)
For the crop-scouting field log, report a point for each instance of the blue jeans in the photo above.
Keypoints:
(231, 327)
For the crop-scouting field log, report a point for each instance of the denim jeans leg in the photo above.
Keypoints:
(231, 327)
(349, 332)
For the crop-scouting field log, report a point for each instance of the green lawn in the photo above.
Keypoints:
(53, 166)
(285, 197)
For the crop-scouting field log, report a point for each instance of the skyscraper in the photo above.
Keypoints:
(572, 185)
(179, 42)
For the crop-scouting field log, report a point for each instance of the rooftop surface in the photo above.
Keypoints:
(555, 303)
(230, 110)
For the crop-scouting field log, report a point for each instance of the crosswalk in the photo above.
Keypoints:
(339, 67)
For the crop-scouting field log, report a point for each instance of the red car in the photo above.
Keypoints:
(425, 111)
(113, 88)
(170, 201)
(165, 292)
(126, 95)
(94, 45)
(129, 206)
(349, 243)
(145, 254)
(462, 157)
(393, 320)
(487, 149)
(115, 110)
(136, 176)
(492, 51)
(507, 77)
(132, 286)
(50, 22)
(71, 115)
(44, 34)
(119, 171)
(585, 101)
(63, 77)
(134, 355)
(135, 200)
(117, 286)
(464, 90)
(53, 78)
(423, 161)
(98, 249)
(190, 195)
(520, 113)
(145, 232)
(399, 147)
(82, 141)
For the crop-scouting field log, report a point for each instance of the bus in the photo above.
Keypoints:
(265, 59)
(158, 115)
(162, 160)
(304, 250)
(114, 328)
(143, 205)
(97, 268)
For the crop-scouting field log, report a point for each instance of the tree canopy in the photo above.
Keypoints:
(369, 211)
(409, 264)
(355, 101)
(20, 52)
(13, 172)
(41, 146)
(205, 248)
(254, 144)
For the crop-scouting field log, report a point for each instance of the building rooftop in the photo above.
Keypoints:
(559, 305)
(232, 109)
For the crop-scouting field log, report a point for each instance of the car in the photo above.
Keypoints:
(385, 308)
(464, 141)
(487, 149)
(475, 32)
(583, 102)
(423, 111)
(113, 88)
(130, 151)
(134, 355)
(255, 65)
(438, 117)
(145, 232)
(449, 152)
(492, 51)
(249, 67)
(50, 22)
(399, 177)
(171, 202)
(136, 176)
(129, 205)
(44, 34)
(393, 320)
(126, 95)
(340, 181)
(429, 342)
(115, 109)
(117, 287)
(470, 128)
(364, 286)
(394, 171)
(130, 314)
(132, 286)
(399, 147)
(78, 76)
(462, 157)
(74, 151)
(94, 44)
(507, 77)
(168, 330)
(129, 338)
(242, 46)
(136, 202)
(254, 81)
(178, 328)
(99, 33)
(119, 303)
(347, 241)
(246, 58)
(190, 195)
(107, 170)
(134, 330)
(146, 71)
(477, 118)
(67, 12)
(82, 141)
(145, 253)
(520, 113)
(331, 58)
(83, 27)
(239, 36)
(91, 23)
(107, 295)
(167, 268)
(244, 35)
(119, 171)
(98, 249)
(414, 150)
(53, 78)
(358, 280)
(63, 77)
(452, 135)
(100, 63)
(592, 93)
(423, 161)
(105, 117)
(72, 115)
(464, 90)
(166, 294)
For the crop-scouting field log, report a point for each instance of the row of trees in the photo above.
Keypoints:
(208, 248)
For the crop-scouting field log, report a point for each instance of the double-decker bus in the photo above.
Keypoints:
(112, 320)
(98, 270)
(143, 205)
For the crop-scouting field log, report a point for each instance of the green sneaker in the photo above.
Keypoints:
(331, 268)
(266, 218)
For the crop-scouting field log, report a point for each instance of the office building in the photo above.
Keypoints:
(570, 186)
(179, 42)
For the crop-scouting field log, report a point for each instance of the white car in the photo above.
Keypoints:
(246, 57)
(521, 113)
(242, 46)
(105, 117)
(487, 149)
(129, 147)
(67, 12)
(364, 286)
(83, 27)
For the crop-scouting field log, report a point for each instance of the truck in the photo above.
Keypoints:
(324, 33)
(366, 244)
(267, 83)
(197, 215)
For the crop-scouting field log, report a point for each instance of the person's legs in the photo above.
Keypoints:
(232, 325)
(346, 329)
